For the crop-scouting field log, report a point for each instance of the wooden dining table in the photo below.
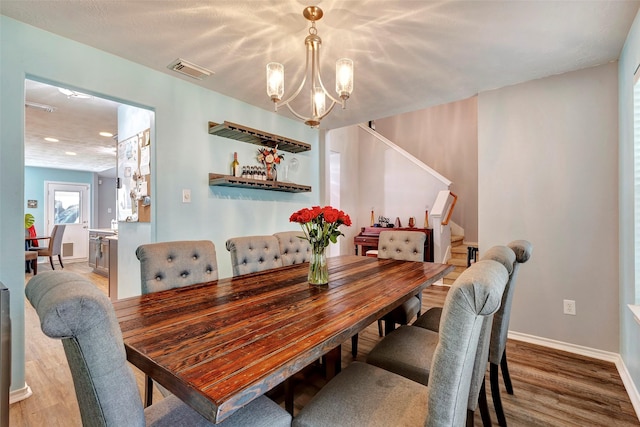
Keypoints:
(219, 345)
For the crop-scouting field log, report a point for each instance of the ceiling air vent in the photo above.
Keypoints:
(189, 69)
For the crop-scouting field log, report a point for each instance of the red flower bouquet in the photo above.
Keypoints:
(320, 227)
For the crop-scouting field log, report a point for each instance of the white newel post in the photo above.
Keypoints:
(441, 233)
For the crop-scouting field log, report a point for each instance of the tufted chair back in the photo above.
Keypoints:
(507, 258)
(522, 252)
(251, 254)
(72, 309)
(402, 245)
(176, 264)
(476, 293)
(294, 248)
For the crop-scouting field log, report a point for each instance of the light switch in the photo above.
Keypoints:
(186, 196)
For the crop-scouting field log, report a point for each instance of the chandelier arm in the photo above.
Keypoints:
(297, 92)
(326, 92)
(295, 113)
(333, 103)
(301, 117)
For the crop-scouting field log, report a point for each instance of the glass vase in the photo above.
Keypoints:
(318, 269)
(271, 171)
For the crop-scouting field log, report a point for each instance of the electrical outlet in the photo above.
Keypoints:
(569, 307)
(186, 196)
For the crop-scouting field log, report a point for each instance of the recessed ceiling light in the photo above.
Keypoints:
(69, 153)
(51, 139)
(107, 134)
(74, 94)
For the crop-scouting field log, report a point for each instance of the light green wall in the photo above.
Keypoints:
(34, 179)
(183, 153)
(629, 329)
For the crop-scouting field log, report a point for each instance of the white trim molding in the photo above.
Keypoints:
(406, 154)
(607, 356)
(635, 309)
(20, 394)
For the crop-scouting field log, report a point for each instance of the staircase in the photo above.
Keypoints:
(458, 259)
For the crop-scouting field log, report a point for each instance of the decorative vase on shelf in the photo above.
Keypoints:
(271, 171)
(318, 268)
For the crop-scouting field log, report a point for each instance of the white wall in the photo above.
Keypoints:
(445, 137)
(548, 172)
(376, 176)
(629, 329)
(345, 142)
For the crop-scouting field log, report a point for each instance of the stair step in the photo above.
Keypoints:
(461, 250)
(456, 241)
(458, 262)
(458, 259)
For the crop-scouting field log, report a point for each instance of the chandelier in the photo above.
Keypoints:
(344, 77)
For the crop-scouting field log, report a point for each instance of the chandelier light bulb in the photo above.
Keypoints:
(344, 78)
(318, 102)
(275, 81)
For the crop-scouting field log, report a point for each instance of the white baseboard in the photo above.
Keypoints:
(608, 356)
(20, 394)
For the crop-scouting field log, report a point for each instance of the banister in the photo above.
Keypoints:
(453, 204)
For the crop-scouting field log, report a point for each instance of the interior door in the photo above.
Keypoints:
(68, 203)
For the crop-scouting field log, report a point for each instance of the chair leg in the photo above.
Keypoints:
(288, 395)
(505, 373)
(484, 406)
(389, 326)
(495, 394)
(148, 391)
(380, 328)
(34, 266)
(51, 262)
(354, 345)
(470, 415)
(59, 259)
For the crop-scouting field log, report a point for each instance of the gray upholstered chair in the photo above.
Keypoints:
(497, 348)
(366, 395)
(251, 254)
(397, 351)
(521, 253)
(72, 309)
(54, 247)
(294, 249)
(168, 265)
(404, 246)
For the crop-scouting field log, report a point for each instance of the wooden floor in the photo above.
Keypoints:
(552, 388)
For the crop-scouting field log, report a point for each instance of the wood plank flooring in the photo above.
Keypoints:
(552, 388)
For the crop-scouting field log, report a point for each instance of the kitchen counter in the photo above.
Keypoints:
(103, 231)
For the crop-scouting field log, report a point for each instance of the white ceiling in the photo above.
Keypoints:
(76, 124)
(408, 55)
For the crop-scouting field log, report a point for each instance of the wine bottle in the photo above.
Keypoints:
(235, 165)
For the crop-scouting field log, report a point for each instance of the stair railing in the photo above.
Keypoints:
(451, 206)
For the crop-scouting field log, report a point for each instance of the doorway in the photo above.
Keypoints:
(70, 144)
(68, 203)
(334, 190)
